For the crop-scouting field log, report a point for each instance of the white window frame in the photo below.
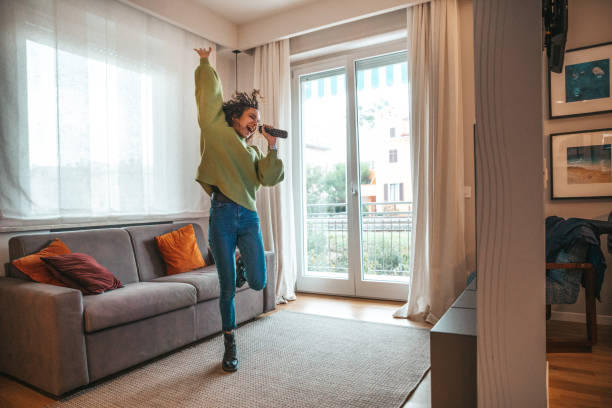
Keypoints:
(353, 286)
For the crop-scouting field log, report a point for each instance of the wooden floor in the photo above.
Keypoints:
(575, 380)
(580, 379)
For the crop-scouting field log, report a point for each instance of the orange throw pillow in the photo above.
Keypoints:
(180, 250)
(36, 269)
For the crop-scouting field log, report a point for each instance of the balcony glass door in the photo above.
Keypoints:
(323, 130)
(384, 172)
(354, 172)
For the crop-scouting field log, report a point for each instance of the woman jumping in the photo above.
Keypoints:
(231, 171)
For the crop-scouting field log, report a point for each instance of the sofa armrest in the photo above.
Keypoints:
(269, 292)
(41, 335)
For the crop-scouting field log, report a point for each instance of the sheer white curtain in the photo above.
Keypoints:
(438, 262)
(275, 204)
(97, 113)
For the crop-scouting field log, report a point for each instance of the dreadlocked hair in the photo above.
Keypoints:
(239, 103)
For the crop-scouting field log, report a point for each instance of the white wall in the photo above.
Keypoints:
(4, 250)
(312, 17)
(510, 207)
(467, 73)
(246, 71)
(357, 34)
(226, 64)
(193, 17)
(226, 67)
(589, 24)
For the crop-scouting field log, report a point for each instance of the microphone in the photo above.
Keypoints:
(275, 132)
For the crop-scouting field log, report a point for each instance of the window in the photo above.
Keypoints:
(352, 209)
(394, 192)
(393, 156)
(108, 132)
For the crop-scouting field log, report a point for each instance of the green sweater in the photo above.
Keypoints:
(228, 162)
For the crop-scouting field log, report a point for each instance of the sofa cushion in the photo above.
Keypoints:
(149, 260)
(66, 280)
(82, 269)
(34, 267)
(135, 301)
(205, 281)
(180, 251)
(111, 247)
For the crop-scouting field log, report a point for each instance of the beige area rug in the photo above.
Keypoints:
(286, 359)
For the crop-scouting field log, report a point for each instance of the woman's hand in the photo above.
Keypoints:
(271, 139)
(203, 53)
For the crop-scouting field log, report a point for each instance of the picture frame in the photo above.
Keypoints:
(584, 85)
(580, 164)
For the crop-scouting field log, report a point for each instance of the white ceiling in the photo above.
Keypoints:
(244, 24)
(246, 11)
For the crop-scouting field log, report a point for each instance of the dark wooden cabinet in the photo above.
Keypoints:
(453, 354)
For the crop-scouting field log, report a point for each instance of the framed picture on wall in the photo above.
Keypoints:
(581, 164)
(583, 87)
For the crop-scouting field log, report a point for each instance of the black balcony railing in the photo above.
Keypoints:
(385, 233)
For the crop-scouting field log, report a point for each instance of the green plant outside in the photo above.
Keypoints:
(383, 253)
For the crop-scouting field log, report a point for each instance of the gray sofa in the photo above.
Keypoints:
(56, 339)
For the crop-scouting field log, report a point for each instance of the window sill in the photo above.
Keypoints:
(8, 225)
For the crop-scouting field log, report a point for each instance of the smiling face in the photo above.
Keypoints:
(246, 124)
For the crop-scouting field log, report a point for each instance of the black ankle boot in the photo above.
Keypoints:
(240, 272)
(230, 357)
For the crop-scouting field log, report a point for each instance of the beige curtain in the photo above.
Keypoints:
(438, 261)
(275, 204)
(85, 119)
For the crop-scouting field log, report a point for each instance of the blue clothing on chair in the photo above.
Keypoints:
(563, 285)
(580, 238)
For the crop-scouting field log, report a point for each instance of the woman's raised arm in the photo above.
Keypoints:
(208, 93)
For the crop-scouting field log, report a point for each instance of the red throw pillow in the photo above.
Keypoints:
(64, 279)
(36, 269)
(83, 269)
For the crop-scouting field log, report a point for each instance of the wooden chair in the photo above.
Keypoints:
(588, 277)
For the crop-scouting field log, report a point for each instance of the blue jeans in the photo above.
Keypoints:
(232, 225)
